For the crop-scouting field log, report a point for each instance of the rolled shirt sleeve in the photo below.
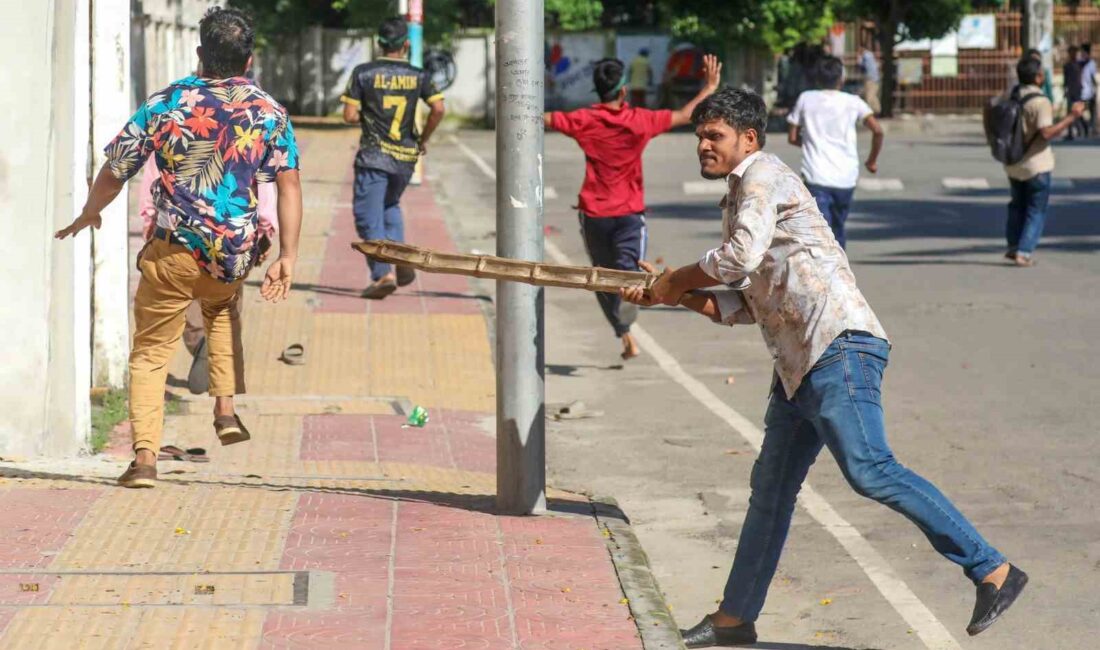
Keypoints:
(749, 230)
(731, 308)
(135, 143)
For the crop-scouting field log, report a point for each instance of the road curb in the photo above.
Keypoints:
(647, 604)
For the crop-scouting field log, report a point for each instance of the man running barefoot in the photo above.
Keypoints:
(613, 134)
(382, 97)
(785, 271)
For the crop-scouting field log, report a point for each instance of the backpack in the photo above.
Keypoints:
(1004, 127)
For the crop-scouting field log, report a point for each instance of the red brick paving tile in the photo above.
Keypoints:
(338, 532)
(324, 631)
(337, 437)
(38, 522)
(427, 445)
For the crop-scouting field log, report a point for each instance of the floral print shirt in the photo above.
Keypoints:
(785, 269)
(213, 140)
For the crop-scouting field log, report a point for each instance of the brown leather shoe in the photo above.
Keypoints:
(230, 429)
(139, 476)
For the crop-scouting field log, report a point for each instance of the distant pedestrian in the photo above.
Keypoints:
(824, 122)
(868, 65)
(641, 78)
(216, 136)
(1071, 75)
(1088, 84)
(781, 269)
(613, 135)
(1030, 176)
(381, 98)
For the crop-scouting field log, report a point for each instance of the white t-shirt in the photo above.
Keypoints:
(828, 120)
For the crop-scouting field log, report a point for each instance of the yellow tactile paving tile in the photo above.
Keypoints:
(437, 360)
(214, 527)
(194, 589)
(115, 628)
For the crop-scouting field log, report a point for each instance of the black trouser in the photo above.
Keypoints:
(615, 243)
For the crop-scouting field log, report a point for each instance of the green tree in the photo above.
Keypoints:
(898, 20)
(772, 24)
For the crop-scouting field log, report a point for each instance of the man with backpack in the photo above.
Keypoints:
(1019, 127)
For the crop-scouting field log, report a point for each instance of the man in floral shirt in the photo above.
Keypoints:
(215, 137)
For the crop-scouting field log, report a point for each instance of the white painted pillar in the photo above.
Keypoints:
(110, 110)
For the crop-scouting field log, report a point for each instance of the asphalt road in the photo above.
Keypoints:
(989, 394)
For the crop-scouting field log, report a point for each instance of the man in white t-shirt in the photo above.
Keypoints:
(823, 122)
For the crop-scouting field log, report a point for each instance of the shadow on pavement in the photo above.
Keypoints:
(802, 646)
(484, 503)
(567, 370)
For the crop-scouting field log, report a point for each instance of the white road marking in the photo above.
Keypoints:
(953, 183)
(705, 188)
(880, 184)
(1061, 183)
(921, 619)
(549, 193)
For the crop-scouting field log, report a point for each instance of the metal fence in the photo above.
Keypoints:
(981, 74)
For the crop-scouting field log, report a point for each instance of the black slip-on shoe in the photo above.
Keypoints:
(993, 602)
(706, 635)
(379, 289)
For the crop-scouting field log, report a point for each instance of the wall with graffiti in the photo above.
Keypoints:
(569, 62)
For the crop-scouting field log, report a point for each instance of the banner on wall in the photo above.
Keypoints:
(570, 59)
(978, 32)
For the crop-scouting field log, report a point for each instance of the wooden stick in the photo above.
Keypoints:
(502, 268)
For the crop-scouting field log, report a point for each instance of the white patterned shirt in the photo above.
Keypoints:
(786, 270)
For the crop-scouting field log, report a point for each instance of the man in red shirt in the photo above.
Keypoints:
(613, 135)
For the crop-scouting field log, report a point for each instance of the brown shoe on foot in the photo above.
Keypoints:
(139, 476)
(380, 289)
(230, 429)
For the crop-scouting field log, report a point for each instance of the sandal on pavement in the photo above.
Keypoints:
(230, 429)
(192, 455)
(139, 476)
(293, 355)
(379, 290)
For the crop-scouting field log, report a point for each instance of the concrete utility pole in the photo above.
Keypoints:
(1039, 30)
(111, 259)
(521, 418)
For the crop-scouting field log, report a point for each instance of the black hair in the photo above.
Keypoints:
(1086, 48)
(1027, 69)
(607, 77)
(392, 34)
(739, 108)
(226, 37)
(1034, 53)
(829, 72)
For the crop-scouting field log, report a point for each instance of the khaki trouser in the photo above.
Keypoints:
(170, 281)
(194, 327)
(870, 95)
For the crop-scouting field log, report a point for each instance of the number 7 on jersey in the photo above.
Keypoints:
(399, 102)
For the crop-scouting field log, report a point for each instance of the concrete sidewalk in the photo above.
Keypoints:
(336, 526)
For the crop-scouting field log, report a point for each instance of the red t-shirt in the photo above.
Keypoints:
(613, 141)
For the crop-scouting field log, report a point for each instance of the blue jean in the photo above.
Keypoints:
(615, 243)
(376, 205)
(834, 203)
(1027, 213)
(839, 406)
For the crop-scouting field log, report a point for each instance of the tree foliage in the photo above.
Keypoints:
(772, 24)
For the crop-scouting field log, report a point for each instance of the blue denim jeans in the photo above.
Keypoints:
(1027, 213)
(834, 203)
(376, 205)
(839, 406)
